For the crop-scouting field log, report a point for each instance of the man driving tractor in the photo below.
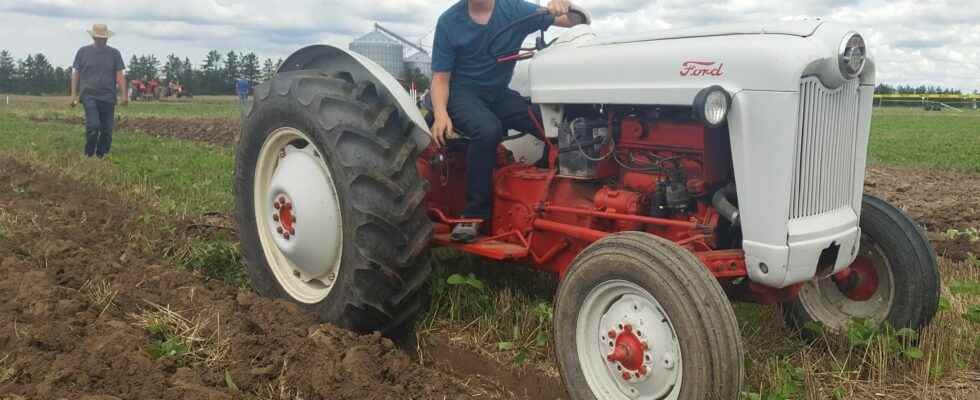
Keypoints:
(470, 88)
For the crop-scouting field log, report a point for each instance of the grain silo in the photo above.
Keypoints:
(382, 49)
(421, 61)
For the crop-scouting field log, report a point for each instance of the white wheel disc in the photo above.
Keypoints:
(298, 215)
(825, 301)
(626, 344)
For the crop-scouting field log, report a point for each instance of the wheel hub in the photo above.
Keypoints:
(859, 282)
(632, 347)
(284, 217)
(302, 186)
(629, 352)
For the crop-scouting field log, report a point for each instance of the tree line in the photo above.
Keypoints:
(884, 88)
(216, 75)
(35, 75)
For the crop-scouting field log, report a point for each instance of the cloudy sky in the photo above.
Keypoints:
(933, 42)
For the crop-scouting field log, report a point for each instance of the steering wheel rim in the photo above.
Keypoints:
(496, 35)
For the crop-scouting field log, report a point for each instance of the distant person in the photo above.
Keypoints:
(243, 87)
(97, 78)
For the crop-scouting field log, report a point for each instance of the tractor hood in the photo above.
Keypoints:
(670, 67)
(797, 28)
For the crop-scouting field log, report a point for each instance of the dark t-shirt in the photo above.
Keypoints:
(97, 67)
(460, 44)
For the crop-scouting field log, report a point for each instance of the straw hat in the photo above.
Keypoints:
(100, 31)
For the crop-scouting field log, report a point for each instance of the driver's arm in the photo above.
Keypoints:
(443, 64)
(442, 128)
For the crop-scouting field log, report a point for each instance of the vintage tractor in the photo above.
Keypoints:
(670, 171)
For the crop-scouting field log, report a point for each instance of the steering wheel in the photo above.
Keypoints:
(577, 16)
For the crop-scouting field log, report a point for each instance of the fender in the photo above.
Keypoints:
(335, 59)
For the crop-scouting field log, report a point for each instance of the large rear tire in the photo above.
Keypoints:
(330, 203)
(638, 317)
(894, 280)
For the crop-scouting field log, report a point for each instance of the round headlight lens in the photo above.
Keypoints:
(715, 107)
(853, 55)
(711, 106)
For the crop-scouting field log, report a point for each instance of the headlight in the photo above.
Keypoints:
(852, 55)
(711, 106)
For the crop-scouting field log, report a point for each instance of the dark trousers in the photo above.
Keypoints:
(484, 116)
(99, 118)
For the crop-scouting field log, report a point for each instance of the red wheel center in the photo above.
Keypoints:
(628, 351)
(858, 282)
(284, 216)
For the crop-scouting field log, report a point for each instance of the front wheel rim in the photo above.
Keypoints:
(826, 302)
(626, 344)
(298, 215)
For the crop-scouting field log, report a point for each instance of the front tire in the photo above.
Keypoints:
(895, 278)
(638, 317)
(330, 204)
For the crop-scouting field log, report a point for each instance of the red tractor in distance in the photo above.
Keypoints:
(145, 90)
(669, 172)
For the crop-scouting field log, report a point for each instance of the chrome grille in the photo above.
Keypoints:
(823, 173)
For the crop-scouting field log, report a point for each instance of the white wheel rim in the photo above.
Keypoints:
(306, 258)
(824, 301)
(624, 307)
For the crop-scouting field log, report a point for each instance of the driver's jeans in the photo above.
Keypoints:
(484, 116)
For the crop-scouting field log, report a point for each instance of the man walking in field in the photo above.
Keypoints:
(97, 78)
(243, 87)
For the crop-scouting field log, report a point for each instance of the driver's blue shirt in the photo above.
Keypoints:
(460, 45)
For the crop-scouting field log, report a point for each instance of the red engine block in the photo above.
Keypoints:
(546, 219)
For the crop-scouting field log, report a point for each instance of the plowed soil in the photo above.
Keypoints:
(217, 131)
(938, 200)
(61, 337)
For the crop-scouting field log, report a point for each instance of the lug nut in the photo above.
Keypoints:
(275, 217)
(279, 230)
(611, 334)
(285, 236)
(292, 231)
(275, 205)
(626, 376)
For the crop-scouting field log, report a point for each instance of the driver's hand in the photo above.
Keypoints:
(442, 129)
(558, 8)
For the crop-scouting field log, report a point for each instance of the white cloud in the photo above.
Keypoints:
(914, 41)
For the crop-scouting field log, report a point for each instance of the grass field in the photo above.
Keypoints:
(507, 316)
(930, 139)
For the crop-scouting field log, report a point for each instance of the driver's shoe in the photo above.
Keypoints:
(465, 232)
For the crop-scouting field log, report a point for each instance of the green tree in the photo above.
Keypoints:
(151, 66)
(210, 81)
(231, 71)
(173, 68)
(250, 67)
(8, 70)
(414, 75)
(268, 69)
(187, 74)
(135, 70)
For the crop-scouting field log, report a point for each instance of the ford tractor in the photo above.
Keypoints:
(669, 172)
